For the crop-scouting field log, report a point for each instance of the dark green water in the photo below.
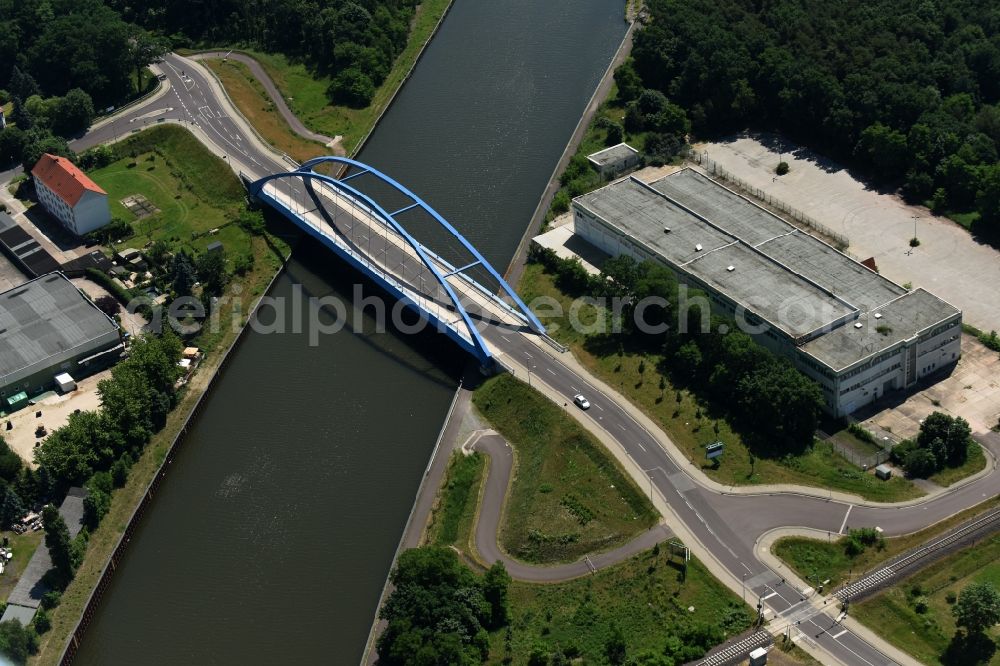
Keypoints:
(272, 536)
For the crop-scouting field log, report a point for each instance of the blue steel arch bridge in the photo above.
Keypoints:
(358, 212)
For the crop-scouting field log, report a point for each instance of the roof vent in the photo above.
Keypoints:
(878, 315)
(730, 268)
(666, 230)
(859, 325)
(697, 248)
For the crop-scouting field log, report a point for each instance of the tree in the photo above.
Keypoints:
(211, 267)
(22, 85)
(615, 647)
(628, 82)
(987, 198)
(182, 274)
(58, 542)
(17, 641)
(920, 463)
(73, 113)
(496, 581)
(352, 88)
(143, 48)
(947, 437)
(616, 134)
(437, 612)
(978, 607)
(108, 305)
(11, 507)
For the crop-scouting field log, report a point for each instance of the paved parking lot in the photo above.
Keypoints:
(971, 391)
(949, 262)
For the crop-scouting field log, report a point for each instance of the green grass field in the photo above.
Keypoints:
(691, 424)
(305, 92)
(194, 190)
(569, 496)
(646, 597)
(452, 519)
(893, 613)
(825, 559)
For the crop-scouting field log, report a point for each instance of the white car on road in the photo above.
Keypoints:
(581, 402)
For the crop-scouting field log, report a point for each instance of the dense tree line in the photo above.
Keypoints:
(60, 60)
(440, 611)
(777, 406)
(906, 89)
(354, 41)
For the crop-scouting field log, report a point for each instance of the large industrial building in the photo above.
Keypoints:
(856, 333)
(48, 328)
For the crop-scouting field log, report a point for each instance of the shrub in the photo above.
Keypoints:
(782, 168)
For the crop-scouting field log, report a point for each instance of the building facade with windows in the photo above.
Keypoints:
(69, 195)
(856, 333)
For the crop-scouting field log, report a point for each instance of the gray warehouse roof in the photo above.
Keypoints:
(788, 301)
(793, 280)
(899, 320)
(45, 322)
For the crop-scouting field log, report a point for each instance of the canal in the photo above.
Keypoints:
(272, 536)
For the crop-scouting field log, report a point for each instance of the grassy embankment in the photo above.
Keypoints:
(207, 181)
(690, 423)
(568, 497)
(812, 558)
(646, 596)
(305, 92)
(927, 635)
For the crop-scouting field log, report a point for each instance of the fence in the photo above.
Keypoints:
(863, 460)
(840, 241)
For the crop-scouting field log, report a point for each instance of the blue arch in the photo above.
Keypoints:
(479, 347)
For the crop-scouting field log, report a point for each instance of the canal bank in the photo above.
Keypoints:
(451, 431)
(282, 515)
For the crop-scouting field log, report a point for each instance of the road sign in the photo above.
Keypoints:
(714, 450)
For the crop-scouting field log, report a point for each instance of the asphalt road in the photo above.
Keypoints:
(727, 525)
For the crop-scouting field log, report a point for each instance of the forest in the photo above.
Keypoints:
(906, 91)
(62, 61)
(354, 41)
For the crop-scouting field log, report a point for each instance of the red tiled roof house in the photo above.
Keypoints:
(69, 195)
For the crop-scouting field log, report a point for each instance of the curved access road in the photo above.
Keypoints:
(272, 91)
(487, 527)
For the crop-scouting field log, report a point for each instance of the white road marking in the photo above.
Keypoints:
(641, 446)
(843, 524)
(549, 370)
(838, 635)
(773, 594)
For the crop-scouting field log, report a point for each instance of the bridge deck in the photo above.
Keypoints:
(356, 230)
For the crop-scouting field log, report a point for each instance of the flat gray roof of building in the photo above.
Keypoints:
(45, 322)
(617, 153)
(795, 281)
(756, 282)
(727, 210)
(789, 302)
(900, 320)
(801, 252)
